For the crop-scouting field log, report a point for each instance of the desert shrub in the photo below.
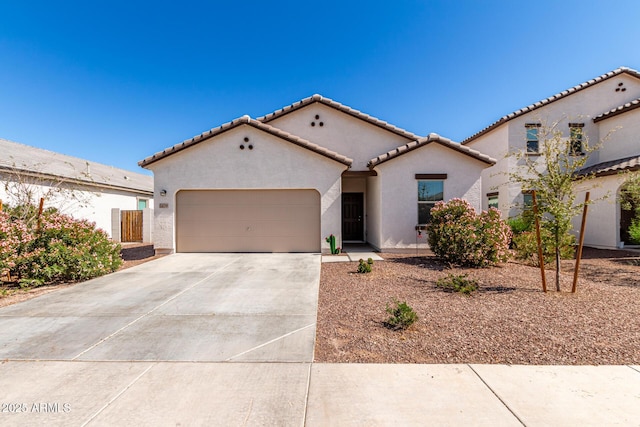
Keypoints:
(365, 267)
(61, 249)
(401, 315)
(525, 246)
(634, 231)
(458, 283)
(458, 235)
(521, 223)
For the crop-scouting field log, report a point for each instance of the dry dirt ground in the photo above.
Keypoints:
(508, 320)
(132, 254)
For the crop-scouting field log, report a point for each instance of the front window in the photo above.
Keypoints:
(527, 200)
(142, 204)
(532, 137)
(577, 133)
(493, 201)
(429, 192)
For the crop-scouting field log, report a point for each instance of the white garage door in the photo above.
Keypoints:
(248, 221)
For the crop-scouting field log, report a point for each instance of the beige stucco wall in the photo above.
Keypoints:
(398, 190)
(624, 139)
(340, 132)
(603, 216)
(219, 163)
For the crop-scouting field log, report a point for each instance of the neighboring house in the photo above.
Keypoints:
(89, 190)
(286, 181)
(596, 107)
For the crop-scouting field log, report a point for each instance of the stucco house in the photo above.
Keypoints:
(285, 181)
(606, 103)
(75, 186)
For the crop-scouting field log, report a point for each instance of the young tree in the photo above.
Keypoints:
(553, 174)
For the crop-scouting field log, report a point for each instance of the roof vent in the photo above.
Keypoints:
(621, 87)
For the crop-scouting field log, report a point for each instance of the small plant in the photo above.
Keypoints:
(365, 267)
(331, 240)
(458, 283)
(401, 315)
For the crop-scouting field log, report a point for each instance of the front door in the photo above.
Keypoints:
(352, 216)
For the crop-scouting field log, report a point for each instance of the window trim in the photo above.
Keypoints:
(139, 199)
(494, 194)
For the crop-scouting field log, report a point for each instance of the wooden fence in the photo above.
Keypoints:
(131, 226)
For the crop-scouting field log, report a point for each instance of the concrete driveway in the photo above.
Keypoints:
(114, 350)
(185, 307)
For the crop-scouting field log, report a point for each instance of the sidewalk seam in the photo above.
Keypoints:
(496, 395)
(306, 397)
(114, 398)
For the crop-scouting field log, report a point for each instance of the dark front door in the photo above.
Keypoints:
(352, 216)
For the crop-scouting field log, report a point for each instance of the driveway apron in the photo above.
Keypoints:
(228, 336)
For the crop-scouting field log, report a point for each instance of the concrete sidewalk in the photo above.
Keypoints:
(78, 393)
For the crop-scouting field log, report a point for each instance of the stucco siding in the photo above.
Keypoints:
(219, 163)
(624, 139)
(373, 211)
(399, 190)
(603, 217)
(340, 132)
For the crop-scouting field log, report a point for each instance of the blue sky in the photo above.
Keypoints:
(116, 81)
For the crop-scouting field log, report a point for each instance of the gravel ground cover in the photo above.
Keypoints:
(508, 320)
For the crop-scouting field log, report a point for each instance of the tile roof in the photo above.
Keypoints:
(612, 167)
(340, 107)
(432, 138)
(246, 120)
(551, 99)
(618, 110)
(34, 161)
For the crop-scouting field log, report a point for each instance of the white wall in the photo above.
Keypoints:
(624, 140)
(218, 163)
(603, 216)
(95, 203)
(342, 133)
(399, 190)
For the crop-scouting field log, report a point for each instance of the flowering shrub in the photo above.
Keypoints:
(458, 235)
(62, 249)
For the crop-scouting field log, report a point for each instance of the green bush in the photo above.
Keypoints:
(458, 235)
(60, 249)
(458, 283)
(525, 246)
(634, 231)
(401, 315)
(521, 223)
(365, 267)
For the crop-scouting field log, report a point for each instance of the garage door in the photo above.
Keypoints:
(248, 221)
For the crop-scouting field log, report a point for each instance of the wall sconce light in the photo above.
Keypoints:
(163, 193)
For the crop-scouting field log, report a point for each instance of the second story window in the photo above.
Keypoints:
(532, 137)
(576, 131)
